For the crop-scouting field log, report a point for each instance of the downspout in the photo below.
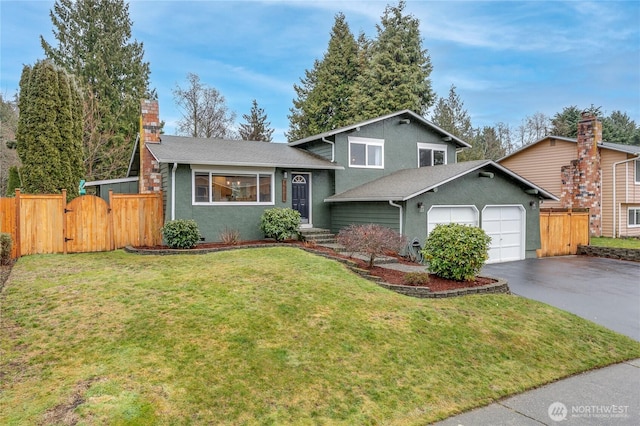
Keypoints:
(400, 207)
(614, 191)
(173, 191)
(333, 149)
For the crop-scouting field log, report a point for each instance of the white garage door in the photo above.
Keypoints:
(505, 226)
(465, 215)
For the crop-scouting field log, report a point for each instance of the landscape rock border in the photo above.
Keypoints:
(499, 287)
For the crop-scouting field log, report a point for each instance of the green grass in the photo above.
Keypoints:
(629, 243)
(266, 336)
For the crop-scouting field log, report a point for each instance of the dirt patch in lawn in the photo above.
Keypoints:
(391, 276)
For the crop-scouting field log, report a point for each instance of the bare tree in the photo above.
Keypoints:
(533, 128)
(204, 110)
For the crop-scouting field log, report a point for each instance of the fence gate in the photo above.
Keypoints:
(562, 231)
(87, 225)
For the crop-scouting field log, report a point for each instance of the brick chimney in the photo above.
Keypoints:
(581, 180)
(150, 177)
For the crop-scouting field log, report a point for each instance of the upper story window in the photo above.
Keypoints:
(637, 171)
(212, 187)
(366, 152)
(431, 154)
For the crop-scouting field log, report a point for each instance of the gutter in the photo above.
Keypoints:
(400, 211)
(173, 191)
(613, 167)
(333, 148)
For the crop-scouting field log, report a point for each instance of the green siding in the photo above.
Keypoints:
(345, 214)
(102, 191)
(212, 220)
(474, 190)
(400, 150)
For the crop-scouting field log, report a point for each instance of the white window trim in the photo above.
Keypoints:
(636, 166)
(310, 196)
(432, 147)
(367, 142)
(637, 225)
(237, 172)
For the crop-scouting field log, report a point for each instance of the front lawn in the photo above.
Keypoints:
(627, 243)
(266, 336)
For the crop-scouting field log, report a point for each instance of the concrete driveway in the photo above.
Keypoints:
(605, 291)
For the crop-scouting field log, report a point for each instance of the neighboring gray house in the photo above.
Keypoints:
(398, 170)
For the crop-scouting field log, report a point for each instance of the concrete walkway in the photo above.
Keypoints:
(608, 396)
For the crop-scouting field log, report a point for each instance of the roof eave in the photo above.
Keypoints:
(244, 164)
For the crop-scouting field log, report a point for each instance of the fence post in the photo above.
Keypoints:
(64, 221)
(17, 241)
(110, 220)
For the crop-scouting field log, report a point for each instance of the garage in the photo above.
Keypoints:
(465, 215)
(505, 224)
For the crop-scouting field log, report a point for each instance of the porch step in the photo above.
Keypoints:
(317, 235)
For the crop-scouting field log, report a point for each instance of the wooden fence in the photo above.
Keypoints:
(48, 224)
(562, 230)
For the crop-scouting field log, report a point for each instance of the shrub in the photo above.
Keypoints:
(280, 223)
(372, 240)
(5, 248)
(181, 233)
(456, 252)
(230, 236)
(416, 278)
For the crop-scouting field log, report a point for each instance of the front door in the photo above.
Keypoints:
(300, 195)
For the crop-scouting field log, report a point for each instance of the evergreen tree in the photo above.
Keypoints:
(48, 141)
(565, 123)
(324, 96)
(398, 74)
(94, 44)
(618, 127)
(256, 128)
(13, 181)
(450, 115)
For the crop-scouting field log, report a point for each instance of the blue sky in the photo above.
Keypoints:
(508, 59)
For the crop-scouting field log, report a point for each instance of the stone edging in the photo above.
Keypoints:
(500, 286)
(610, 252)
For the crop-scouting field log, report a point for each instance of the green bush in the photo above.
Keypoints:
(416, 278)
(456, 252)
(280, 223)
(5, 248)
(181, 233)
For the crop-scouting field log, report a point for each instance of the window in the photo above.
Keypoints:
(431, 155)
(637, 171)
(232, 188)
(365, 152)
(634, 216)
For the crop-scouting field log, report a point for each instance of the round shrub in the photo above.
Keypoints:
(181, 233)
(456, 252)
(280, 223)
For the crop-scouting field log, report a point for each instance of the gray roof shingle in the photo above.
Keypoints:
(219, 152)
(406, 184)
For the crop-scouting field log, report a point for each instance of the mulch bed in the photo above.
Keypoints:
(390, 276)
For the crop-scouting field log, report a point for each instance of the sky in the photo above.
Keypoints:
(507, 59)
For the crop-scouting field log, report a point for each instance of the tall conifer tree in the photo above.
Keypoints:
(324, 96)
(94, 43)
(48, 140)
(397, 75)
(256, 127)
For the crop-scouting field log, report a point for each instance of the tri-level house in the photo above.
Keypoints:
(586, 173)
(398, 170)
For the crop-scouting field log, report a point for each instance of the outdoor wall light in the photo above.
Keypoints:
(284, 175)
(533, 205)
(420, 205)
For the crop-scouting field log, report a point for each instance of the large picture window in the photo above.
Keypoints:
(431, 155)
(366, 152)
(634, 216)
(232, 188)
